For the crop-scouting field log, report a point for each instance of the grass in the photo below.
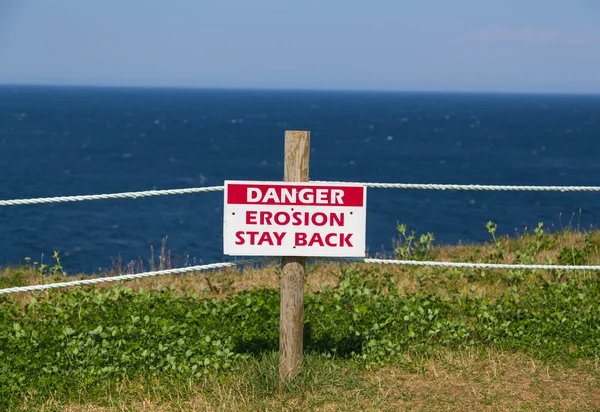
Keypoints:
(450, 380)
(565, 247)
(376, 337)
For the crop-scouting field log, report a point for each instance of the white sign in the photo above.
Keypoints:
(294, 219)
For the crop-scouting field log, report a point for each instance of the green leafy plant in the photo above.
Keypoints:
(498, 254)
(410, 246)
(543, 240)
(54, 270)
(572, 256)
(579, 256)
(57, 268)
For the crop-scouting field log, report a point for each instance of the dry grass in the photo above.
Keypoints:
(497, 381)
(408, 279)
(453, 380)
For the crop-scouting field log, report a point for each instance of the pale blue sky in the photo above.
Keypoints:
(458, 45)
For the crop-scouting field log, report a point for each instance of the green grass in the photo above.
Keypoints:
(370, 334)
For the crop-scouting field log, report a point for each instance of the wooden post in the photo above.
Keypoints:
(291, 324)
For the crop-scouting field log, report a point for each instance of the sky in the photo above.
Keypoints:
(539, 46)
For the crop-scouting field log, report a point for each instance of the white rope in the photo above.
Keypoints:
(426, 186)
(418, 186)
(124, 195)
(463, 264)
(199, 268)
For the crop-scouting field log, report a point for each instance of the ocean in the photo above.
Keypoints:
(67, 141)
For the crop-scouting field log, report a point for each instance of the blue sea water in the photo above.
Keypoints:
(68, 141)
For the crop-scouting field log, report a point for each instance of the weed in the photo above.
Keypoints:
(411, 247)
(498, 254)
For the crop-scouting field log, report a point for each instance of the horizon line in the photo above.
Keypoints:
(292, 89)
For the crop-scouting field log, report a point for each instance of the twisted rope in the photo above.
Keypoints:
(426, 186)
(462, 264)
(198, 268)
(418, 186)
(124, 195)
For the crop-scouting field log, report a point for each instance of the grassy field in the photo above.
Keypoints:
(376, 337)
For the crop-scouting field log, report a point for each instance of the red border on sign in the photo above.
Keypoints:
(351, 196)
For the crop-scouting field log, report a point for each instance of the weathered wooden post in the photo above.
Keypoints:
(258, 221)
(291, 324)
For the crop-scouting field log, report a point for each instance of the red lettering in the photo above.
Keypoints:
(282, 218)
(316, 238)
(328, 239)
(252, 237)
(321, 215)
(265, 238)
(295, 194)
(279, 237)
(346, 240)
(286, 218)
(265, 218)
(251, 217)
(300, 239)
(297, 218)
(336, 218)
(255, 239)
(240, 239)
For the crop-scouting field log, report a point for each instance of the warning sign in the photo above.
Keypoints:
(294, 219)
